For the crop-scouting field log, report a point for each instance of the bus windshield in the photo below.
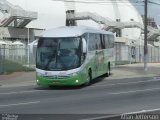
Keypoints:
(58, 53)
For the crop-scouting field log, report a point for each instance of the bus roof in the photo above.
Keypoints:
(71, 31)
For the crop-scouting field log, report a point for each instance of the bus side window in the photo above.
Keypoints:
(106, 41)
(111, 41)
(98, 41)
(102, 41)
(91, 42)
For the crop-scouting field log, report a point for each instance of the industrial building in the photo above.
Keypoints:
(13, 22)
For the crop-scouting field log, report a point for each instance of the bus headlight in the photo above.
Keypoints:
(77, 81)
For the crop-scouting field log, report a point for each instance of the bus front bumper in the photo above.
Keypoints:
(69, 81)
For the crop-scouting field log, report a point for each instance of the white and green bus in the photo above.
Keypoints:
(71, 56)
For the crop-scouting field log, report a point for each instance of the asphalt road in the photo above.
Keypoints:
(105, 96)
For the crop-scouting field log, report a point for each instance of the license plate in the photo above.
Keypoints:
(55, 82)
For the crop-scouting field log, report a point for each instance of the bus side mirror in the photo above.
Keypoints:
(84, 45)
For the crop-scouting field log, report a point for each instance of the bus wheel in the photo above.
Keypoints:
(89, 78)
(108, 71)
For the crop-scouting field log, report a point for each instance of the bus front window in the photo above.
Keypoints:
(58, 53)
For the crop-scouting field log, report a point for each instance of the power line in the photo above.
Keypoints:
(96, 1)
(155, 3)
(102, 2)
(151, 2)
(137, 2)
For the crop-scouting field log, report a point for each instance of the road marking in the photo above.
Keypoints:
(130, 113)
(101, 117)
(20, 92)
(17, 104)
(143, 111)
(134, 91)
(16, 85)
(147, 81)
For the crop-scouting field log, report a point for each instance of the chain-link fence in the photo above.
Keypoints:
(16, 58)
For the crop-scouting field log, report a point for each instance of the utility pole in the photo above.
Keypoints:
(28, 47)
(145, 35)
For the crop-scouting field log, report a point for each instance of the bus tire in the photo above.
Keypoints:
(108, 71)
(89, 78)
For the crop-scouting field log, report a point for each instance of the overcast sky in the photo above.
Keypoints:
(153, 10)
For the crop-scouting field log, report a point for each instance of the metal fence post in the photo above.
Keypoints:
(4, 58)
(1, 62)
(158, 54)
